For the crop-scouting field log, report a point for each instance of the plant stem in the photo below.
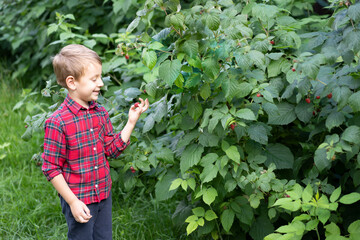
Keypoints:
(217, 225)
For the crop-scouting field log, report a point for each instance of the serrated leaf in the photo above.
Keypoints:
(227, 219)
(210, 215)
(133, 25)
(351, 134)
(190, 157)
(307, 194)
(335, 119)
(209, 195)
(354, 101)
(354, 12)
(209, 173)
(192, 226)
(205, 91)
(280, 155)
(354, 230)
(258, 58)
(191, 47)
(246, 114)
(258, 133)
(195, 109)
(169, 71)
(213, 21)
(149, 58)
(320, 159)
(211, 67)
(284, 116)
(175, 184)
(233, 153)
(199, 211)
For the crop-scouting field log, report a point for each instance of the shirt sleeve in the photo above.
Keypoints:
(54, 154)
(114, 145)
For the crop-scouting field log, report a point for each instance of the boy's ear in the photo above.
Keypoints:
(70, 82)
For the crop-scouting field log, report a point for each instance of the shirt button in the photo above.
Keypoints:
(96, 185)
(94, 148)
(96, 167)
(91, 130)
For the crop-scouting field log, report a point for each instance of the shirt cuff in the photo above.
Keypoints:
(51, 174)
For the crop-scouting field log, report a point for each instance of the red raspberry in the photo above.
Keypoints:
(317, 97)
(308, 100)
(232, 126)
(272, 42)
(293, 69)
(132, 169)
(329, 95)
(258, 95)
(314, 113)
(127, 56)
(136, 105)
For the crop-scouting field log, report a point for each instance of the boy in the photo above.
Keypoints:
(78, 139)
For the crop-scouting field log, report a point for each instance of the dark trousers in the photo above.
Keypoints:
(98, 227)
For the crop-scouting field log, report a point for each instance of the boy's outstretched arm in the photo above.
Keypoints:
(79, 209)
(134, 114)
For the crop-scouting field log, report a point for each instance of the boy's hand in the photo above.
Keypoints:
(80, 211)
(137, 109)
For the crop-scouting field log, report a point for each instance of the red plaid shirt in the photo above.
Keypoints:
(76, 144)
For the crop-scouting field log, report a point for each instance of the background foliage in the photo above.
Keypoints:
(254, 106)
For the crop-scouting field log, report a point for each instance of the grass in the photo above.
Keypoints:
(30, 208)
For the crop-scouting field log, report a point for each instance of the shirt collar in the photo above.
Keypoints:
(76, 107)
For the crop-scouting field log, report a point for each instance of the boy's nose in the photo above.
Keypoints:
(100, 82)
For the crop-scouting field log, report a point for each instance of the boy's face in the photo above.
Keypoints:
(87, 88)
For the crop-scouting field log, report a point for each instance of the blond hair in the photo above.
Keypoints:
(72, 60)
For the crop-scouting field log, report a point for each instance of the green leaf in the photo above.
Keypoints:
(351, 134)
(246, 114)
(227, 219)
(195, 109)
(169, 71)
(191, 156)
(321, 160)
(175, 184)
(332, 229)
(192, 226)
(133, 25)
(354, 101)
(233, 153)
(354, 230)
(191, 182)
(335, 119)
(211, 67)
(335, 195)
(209, 195)
(210, 215)
(280, 155)
(199, 211)
(162, 187)
(149, 58)
(213, 21)
(350, 198)
(205, 91)
(209, 173)
(177, 20)
(284, 116)
(307, 194)
(354, 12)
(258, 133)
(191, 47)
(258, 58)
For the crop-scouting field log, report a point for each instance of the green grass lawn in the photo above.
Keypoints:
(30, 207)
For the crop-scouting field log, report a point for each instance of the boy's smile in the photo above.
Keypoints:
(87, 88)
